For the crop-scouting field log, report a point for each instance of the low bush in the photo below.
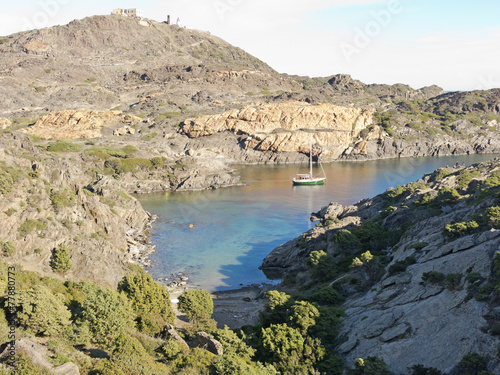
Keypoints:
(150, 301)
(346, 240)
(196, 304)
(63, 198)
(42, 312)
(452, 280)
(8, 248)
(120, 166)
(460, 229)
(401, 265)
(64, 146)
(433, 277)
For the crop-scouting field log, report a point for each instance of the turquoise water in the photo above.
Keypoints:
(235, 228)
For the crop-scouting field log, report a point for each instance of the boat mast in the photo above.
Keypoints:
(310, 157)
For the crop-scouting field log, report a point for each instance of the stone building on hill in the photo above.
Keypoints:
(134, 13)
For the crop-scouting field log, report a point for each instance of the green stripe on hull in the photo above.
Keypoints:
(322, 182)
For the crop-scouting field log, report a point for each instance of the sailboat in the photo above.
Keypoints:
(308, 178)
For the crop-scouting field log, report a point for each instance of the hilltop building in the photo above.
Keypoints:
(134, 13)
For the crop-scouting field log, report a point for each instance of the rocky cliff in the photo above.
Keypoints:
(286, 127)
(418, 266)
(77, 124)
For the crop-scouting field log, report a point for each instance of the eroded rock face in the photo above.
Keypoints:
(4, 123)
(73, 124)
(286, 127)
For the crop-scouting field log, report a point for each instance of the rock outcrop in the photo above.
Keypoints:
(4, 123)
(72, 124)
(286, 126)
(208, 342)
(37, 353)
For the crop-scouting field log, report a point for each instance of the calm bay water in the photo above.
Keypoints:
(235, 228)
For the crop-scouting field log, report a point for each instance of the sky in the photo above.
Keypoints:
(452, 43)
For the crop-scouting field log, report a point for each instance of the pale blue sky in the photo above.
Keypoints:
(452, 43)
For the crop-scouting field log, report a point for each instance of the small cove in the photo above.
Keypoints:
(235, 228)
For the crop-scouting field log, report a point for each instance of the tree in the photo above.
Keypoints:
(42, 312)
(196, 304)
(303, 315)
(289, 351)
(108, 314)
(149, 300)
(61, 259)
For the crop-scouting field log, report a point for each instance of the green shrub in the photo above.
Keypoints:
(61, 259)
(151, 136)
(421, 370)
(25, 366)
(64, 146)
(452, 280)
(150, 301)
(196, 304)
(473, 277)
(129, 149)
(386, 212)
(395, 195)
(8, 177)
(493, 216)
(105, 153)
(471, 364)
(78, 334)
(447, 196)
(346, 240)
(289, 351)
(8, 248)
(158, 162)
(29, 225)
(42, 312)
(11, 211)
(63, 198)
(374, 236)
(326, 296)
(465, 178)
(369, 366)
(107, 313)
(419, 245)
(120, 166)
(401, 265)
(303, 315)
(460, 229)
(496, 263)
(440, 174)
(322, 265)
(493, 180)
(130, 357)
(433, 277)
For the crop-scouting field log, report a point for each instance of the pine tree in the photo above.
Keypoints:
(61, 260)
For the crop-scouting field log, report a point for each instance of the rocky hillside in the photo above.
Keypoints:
(76, 195)
(418, 267)
(167, 75)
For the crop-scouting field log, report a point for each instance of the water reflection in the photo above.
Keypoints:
(235, 228)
